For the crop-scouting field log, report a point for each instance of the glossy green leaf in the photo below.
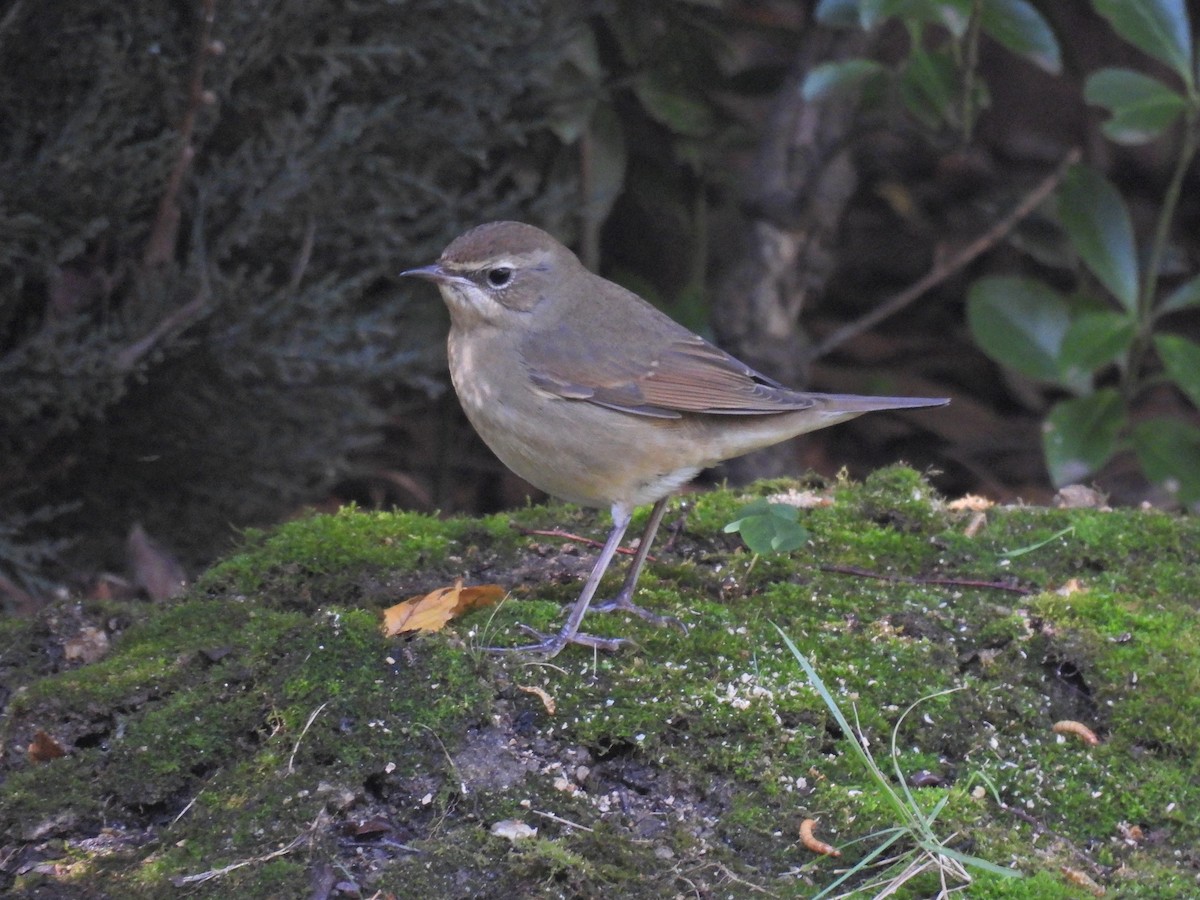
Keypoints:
(1169, 451)
(674, 106)
(1159, 28)
(953, 15)
(1017, 25)
(1094, 340)
(1142, 107)
(838, 77)
(1186, 296)
(1020, 323)
(1181, 358)
(769, 527)
(1098, 223)
(929, 86)
(1080, 435)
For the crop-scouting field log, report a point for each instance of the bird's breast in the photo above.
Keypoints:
(571, 449)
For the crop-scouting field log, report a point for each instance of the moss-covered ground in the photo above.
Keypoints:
(259, 737)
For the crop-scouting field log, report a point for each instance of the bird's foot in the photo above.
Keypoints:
(622, 603)
(550, 645)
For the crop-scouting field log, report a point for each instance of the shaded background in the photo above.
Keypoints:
(204, 207)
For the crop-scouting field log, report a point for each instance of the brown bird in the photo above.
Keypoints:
(588, 392)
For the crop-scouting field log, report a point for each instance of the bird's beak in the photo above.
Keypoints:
(429, 273)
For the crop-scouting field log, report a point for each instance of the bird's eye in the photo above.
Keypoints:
(499, 277)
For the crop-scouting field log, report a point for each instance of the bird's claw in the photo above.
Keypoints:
(623, 604)
(550, 645)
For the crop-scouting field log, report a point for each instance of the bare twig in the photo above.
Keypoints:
(303, 731)
(172, 324)
(161, 244)
(561, 821)
(575, 538)
(183, 812)
(944, 269)
(728, 873)
(302, 259)
(462, 785)
(940, 582)
(296, 843)
(1040, 827)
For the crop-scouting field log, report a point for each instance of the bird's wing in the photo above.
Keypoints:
(681, 374)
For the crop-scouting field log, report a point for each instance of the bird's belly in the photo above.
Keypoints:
(575, 450)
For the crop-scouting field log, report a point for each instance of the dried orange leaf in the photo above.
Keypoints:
(970, 503)
(44, 748)
(547, 700)
(432, 611)
(976, 523)
(478, 595)
(1085, 881)
(1072, 586)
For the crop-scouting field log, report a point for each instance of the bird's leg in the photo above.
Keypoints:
(551, 644)
(624, 600)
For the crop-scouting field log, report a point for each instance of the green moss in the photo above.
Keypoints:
(896, 496)
(326, 544)
(269, 701)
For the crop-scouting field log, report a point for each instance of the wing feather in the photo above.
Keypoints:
(647, 364)
(687, 374)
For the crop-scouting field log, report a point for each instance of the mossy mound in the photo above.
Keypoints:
(260, 738)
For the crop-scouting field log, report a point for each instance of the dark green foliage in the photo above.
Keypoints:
(1116, 313)
(210, 374)
(936, 81)
(1124, 275)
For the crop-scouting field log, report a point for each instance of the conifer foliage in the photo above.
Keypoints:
(203, 207)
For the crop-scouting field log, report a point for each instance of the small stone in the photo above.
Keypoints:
(513, 830)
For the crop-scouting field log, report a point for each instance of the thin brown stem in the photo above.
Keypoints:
(943, 270)
(160, 246)
(575, 538)
(300, 266)
(1132, 379)
(937, 581)
(970, 72)
(128, 358)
